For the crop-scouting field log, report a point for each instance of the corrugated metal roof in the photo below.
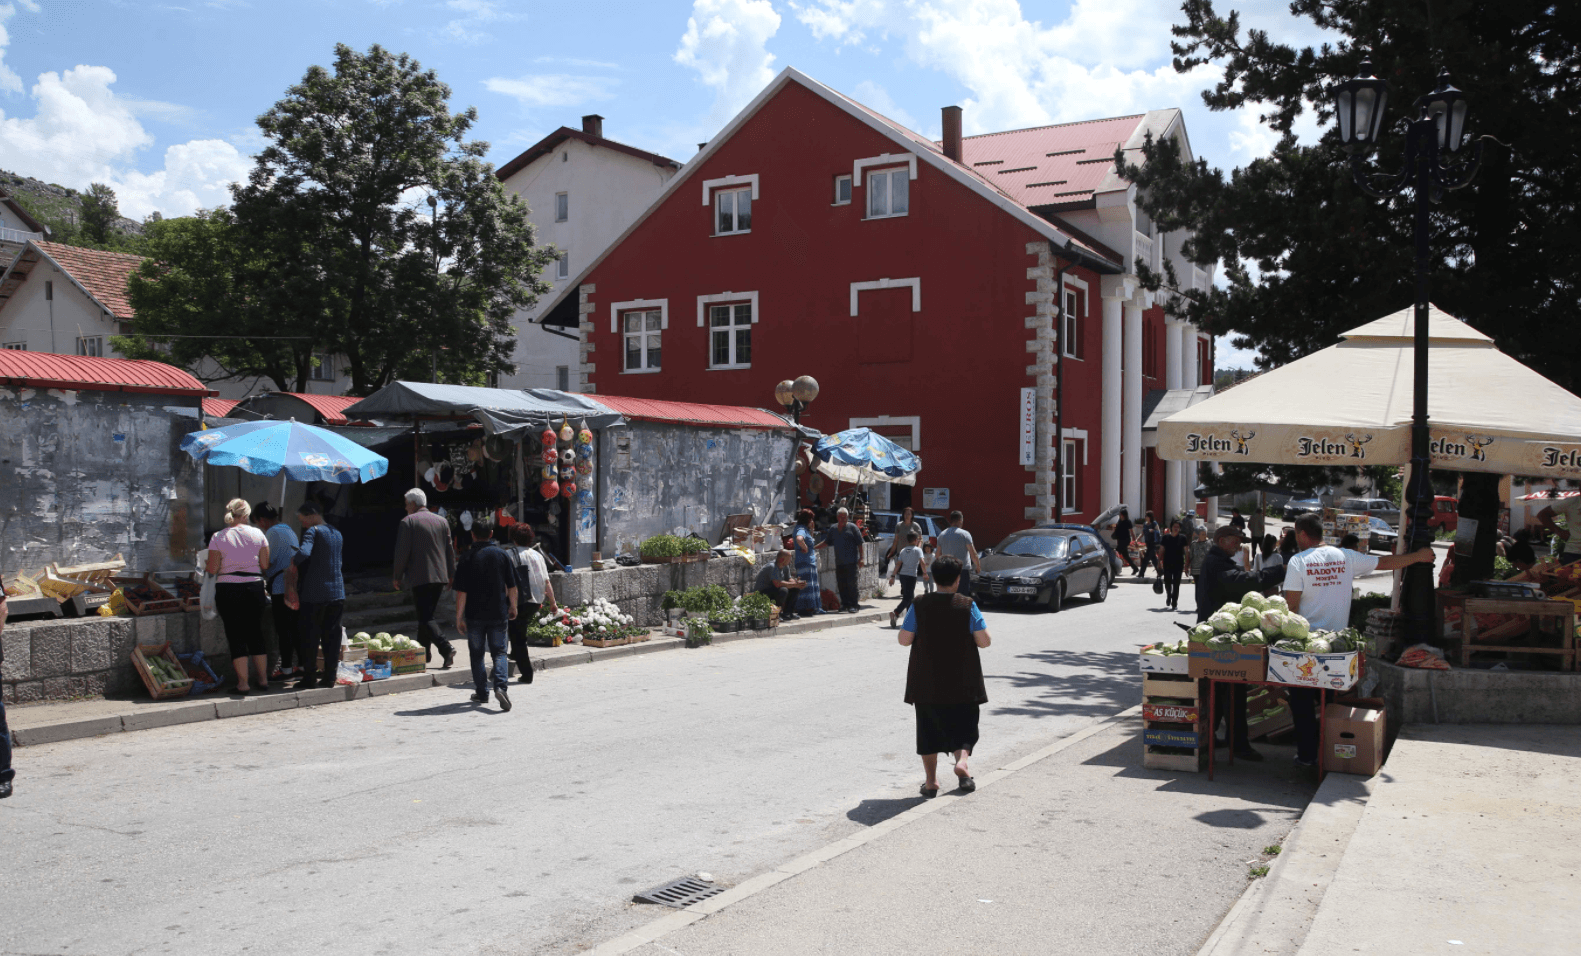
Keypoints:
(332, 407)
(48, 370)
(692, 413)
(1049, 165)
(218, 407)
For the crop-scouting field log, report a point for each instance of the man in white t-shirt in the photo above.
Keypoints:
(1570, 508)
(1318, 583)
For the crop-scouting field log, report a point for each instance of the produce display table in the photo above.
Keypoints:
(1229, 725)
(1458, 612)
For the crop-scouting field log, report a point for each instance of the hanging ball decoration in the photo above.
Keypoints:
(547, 438)
(550, 456)
(801, 466)
(566, 432)
(568, 489)
(567, 456)
(584, 468)
(549, 489)
(584, 451)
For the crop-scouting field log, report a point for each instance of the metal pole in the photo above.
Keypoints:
(1418, 590)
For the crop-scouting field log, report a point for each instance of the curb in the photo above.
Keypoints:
(226, 707)
(643, 935)
(1274, 914)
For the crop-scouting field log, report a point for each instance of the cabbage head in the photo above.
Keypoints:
(1230, 607)
(1246, 618)
(1222, 621)
(1253, 599)
(361, 637)
(1201, 632)
(1253, 636)
(1271, 620)
(1278, 602)
(1319, 645)
(1291, 644)
(1222, 640)
(1295, 626)
(382, 636)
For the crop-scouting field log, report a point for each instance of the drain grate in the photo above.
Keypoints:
(679, 893)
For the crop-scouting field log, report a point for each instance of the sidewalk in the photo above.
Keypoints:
(50, 722)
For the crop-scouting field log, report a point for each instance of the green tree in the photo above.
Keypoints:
(99, 214)
(405, 249)
(1327, 256)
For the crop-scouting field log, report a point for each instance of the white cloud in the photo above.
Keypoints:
(553, 89)
(9, 81)
(1253, 138)
(877, 98)
(476, 15)
(81, 132)
(580, 63)
(846, 21)
(725, 42)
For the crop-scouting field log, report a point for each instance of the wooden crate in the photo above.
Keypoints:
(1167, 724)
(410, 661)
(160, 690)
(601, 642)
(1524, 615)
(159, 602)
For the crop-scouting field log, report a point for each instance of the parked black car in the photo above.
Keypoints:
(1041, 567)
(1296, 507)
(1104, 535)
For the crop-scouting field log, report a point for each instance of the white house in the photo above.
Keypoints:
(16, 228)
(64, 299)
(582, 191)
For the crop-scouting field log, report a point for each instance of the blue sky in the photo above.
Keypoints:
(159, 98)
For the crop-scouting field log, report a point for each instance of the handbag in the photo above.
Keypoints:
(1158, 586)
(206, 596)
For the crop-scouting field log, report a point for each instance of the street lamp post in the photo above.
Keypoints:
(796, 396)
(1436, 132)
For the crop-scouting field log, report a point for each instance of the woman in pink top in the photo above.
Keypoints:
(240, 556)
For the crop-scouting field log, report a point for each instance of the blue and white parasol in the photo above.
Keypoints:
(303, 452)
(864, 457)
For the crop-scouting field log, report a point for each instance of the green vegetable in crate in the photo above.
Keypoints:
(1253, 636)
(1292, 644)
(361, 637)
(1229, 607)
(383, 637)
(1156, 650)
(1271, 620)
(1246, 618)
(1295, 626)
(1223, 622)
(1255, 600)
(1225, 639)
(1201, 632)
(1318, 645)
(1278, 603)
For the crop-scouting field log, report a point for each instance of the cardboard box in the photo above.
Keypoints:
(1234, 662)
(1352, 739)
(1327, 671)
(1173, 664)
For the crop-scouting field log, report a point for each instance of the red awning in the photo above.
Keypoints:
(692, 413)
(48, 370)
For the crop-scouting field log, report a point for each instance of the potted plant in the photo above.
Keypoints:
(726, 621)
(693, 549)
(673, 607)
(698, 632)
(757, 608)
(660, 549)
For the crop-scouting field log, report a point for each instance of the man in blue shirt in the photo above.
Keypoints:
(485, 586)
(313, 584)
(846, 540)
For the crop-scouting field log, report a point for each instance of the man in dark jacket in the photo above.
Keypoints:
(1221, 582)
(1122, 539)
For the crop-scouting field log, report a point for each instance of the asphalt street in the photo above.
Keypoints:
(422, 823)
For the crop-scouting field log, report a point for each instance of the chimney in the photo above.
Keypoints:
(701, 147)
(952, 133)
(593, 125)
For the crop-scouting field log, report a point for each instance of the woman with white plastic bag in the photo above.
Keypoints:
(238, 558)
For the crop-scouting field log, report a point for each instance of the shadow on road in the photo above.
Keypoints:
(456, 708)
(870, 812)
(1114, 686)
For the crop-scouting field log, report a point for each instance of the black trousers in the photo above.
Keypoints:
(426, 597)
(845, 580)
(518, 635)
(908, 592)
(1123, 548)
(783, 598)
(1304, 702)
(1172, 586)
(285, 631)
(318, 628)
(1229, 703)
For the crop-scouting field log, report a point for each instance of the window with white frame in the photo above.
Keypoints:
(732, 211)
(842, 190)
(562, 207)
(888, 193)
(730, 335)
(562, 377)
(1068, 466)
(91, 345)
(17, 346)
(562, 266)
(642, 329)
(323, 368)
(1071, 322)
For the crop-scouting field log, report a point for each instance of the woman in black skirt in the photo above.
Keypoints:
(944, 680)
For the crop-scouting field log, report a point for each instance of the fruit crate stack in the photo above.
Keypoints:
(1174, 715)
(1384, 629)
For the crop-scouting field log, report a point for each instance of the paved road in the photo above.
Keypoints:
(418, 823)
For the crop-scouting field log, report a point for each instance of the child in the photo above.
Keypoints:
(908, 565)
(1199, 550)
(927, 567)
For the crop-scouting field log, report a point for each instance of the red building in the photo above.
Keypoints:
(917, 282)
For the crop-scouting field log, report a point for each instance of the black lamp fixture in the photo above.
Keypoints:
(1438, 130)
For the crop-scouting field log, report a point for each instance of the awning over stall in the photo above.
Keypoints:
(502, 411)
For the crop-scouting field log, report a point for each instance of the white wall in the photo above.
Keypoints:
(26, 316)
(607, 190)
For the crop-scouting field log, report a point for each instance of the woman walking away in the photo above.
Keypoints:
(282, 544)
(944, 678)
(240, 555)
(1173, 555)
(810, 598)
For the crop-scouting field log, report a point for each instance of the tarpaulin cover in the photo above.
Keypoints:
(1350, 404)
(507, 412)
(864, 457)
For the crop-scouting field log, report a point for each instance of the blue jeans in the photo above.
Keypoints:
(495, 636)
(6, 773)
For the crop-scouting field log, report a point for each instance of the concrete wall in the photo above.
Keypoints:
(1478, 697)
(92, 657)
(87, 475)
(638, 591)
(28, 316)
(654, 478)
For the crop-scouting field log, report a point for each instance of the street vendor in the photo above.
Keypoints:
(780, 582)
(1570, 509)
(1222, 582)
(1318, 586)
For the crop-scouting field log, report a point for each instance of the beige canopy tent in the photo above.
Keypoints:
(1350, 404)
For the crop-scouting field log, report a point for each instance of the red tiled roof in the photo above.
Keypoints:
(548, 143)
(332, 407)
(1049, 165)
(218, 407)
(691, 413)
(103, 274)
(47, 370)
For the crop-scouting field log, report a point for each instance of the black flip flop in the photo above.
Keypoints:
(928, 794)
(967, 784)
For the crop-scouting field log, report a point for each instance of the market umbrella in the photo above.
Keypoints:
(1350, 404)
(865, 457)
(302, 452)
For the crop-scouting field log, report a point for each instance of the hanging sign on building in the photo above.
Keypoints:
(1029, 425)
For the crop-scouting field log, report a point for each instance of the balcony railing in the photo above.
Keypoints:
(19, 236)
(1144, 253)
(1199, 279)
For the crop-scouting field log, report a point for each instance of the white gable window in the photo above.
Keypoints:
(730, 335)
(642, 329)
(91, 345)
(732, 211)
(842, 190)
(562, 207)
(562, 266)
(888, 193)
